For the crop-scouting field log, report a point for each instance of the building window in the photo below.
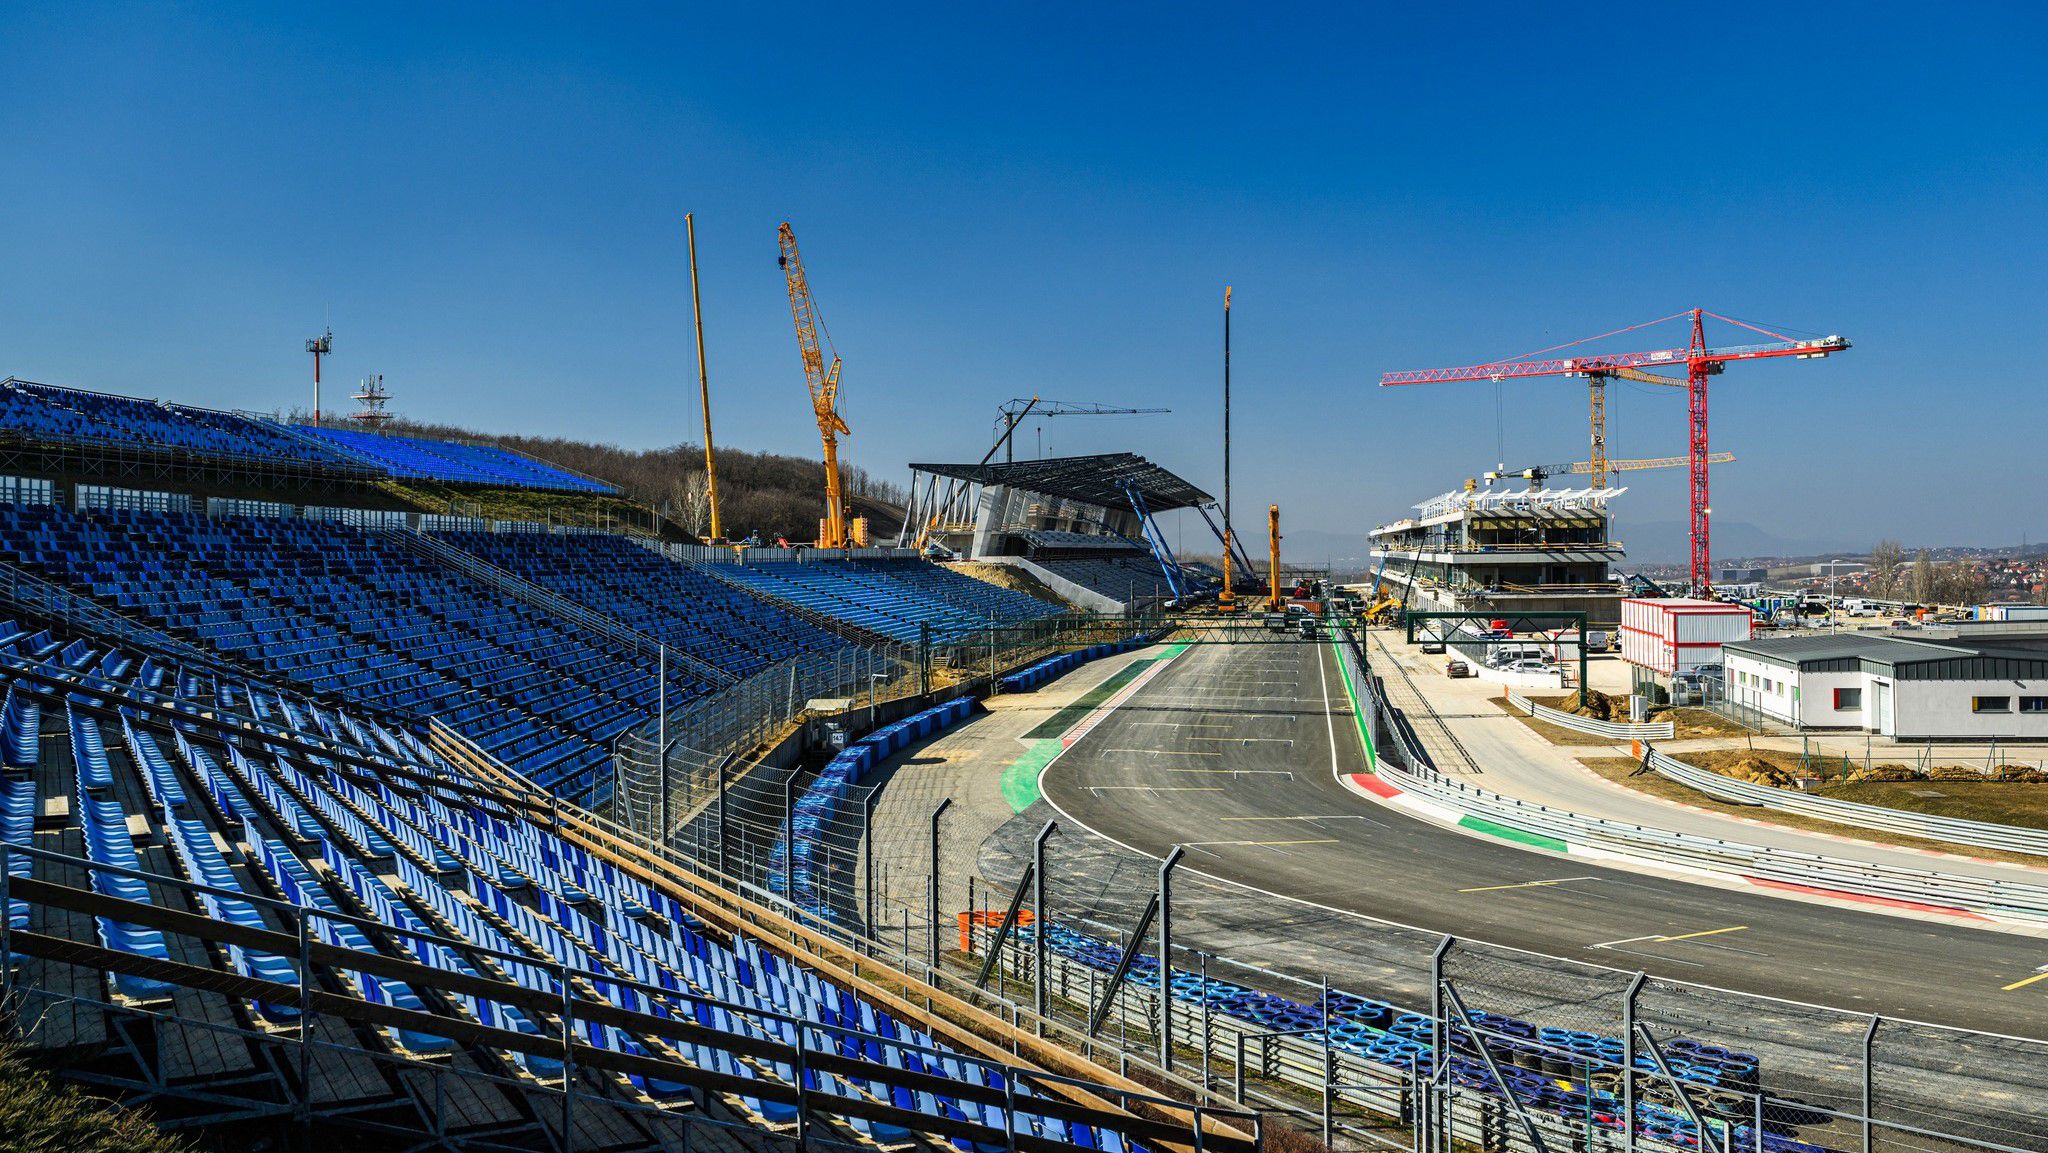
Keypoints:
(1848, 700)
(1990, 704)
(2034, 704)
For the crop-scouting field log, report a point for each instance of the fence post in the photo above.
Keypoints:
(932, 883)
(1628, 1064)
(1166, 956)
(924, 657)
(661, 742)
(1040, 995)
(1437, 1032)
(789, 836)
(724, 783)
(1329, 1071)
(1208, 1038)
(867, 863)
(305, 1015)
(6, 930)
(1869, 1040)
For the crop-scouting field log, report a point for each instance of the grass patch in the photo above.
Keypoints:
(37, 1115)
(1961, 799)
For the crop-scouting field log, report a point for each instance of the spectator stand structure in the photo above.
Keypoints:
(312, 923)
(77, 437)
(1039, 515)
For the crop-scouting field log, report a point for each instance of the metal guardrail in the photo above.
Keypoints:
(1995, 897)
(1593, 726)
(1952, 830)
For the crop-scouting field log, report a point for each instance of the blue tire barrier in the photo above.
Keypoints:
(1032, 676)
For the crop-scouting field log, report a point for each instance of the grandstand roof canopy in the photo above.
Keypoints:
(1098, 480)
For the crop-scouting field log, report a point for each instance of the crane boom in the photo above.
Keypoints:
(824, 386)
(1573, 365)
(1700, 363)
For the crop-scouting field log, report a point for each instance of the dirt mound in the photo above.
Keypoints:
(1757, 770)
(1595, 704)
(2022, 773)
(1956, 773)
(1884, 773)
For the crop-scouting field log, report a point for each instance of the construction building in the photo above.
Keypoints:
(1521, 551)
(1083, 526)
(1963, 686)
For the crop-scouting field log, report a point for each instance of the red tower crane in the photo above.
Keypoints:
(1700, 363)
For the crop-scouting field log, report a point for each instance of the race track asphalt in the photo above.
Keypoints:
(1236, 752)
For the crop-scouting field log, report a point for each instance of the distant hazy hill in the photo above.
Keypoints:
(757, 491)
(1664, 541)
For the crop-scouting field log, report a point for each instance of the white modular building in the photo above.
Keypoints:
(1905, 687)
(1663, 636)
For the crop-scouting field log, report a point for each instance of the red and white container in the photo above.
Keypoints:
(1664, 636)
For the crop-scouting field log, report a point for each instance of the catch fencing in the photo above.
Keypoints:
(1951, 830)
(1593, 726)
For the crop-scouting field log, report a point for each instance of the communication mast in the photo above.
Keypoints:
(319, 346)
(373, 398)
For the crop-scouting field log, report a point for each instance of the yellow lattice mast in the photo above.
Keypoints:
(824, 385)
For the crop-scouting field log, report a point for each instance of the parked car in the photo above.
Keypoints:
(1455, 669)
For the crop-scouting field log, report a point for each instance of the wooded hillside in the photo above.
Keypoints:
(757, 491)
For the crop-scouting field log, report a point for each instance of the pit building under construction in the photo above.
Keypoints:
(1522, 551)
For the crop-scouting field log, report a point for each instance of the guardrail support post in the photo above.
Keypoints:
(932, 883)
(1869, 1042)
(1166, 956)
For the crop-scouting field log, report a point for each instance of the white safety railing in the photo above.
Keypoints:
(1593, 726)
(1562, 830)
(1951, 830)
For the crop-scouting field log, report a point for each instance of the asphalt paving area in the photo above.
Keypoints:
(1235, 752)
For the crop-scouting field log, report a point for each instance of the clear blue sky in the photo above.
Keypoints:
(996, 200)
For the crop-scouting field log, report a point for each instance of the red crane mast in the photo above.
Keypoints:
(1700, 362)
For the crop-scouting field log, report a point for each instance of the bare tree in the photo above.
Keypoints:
(1959, 582)
(689, 501)
(1887, 561)
(1923, 578)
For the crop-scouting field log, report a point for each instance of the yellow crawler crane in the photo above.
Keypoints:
(824, 385)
